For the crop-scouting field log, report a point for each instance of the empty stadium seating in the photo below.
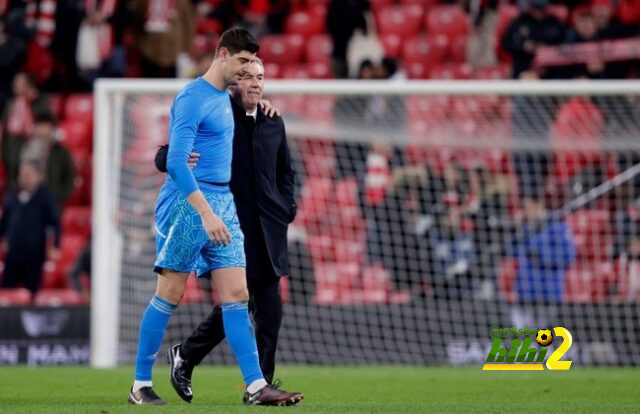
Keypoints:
(282, 49)
(400, 19)
(446, 19)
(79, 107)
(308, 22)
(318, 49)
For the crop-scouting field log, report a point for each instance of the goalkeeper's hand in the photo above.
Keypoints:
(161, 158)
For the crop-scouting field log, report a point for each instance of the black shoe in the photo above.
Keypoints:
(145, 396)
(180, 373)
(271, 395)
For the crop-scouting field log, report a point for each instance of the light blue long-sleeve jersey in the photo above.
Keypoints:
(201, 121)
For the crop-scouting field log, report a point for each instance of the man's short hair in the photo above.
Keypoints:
(236, 40)
(44, 117)
(259, 62)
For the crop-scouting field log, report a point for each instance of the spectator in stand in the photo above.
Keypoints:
(627, 288)
(164, 31)
(14, 37)
(532, 29)
(80, 274)
(452, 256)
(592, 27)
(351, 114)
(343, 18)
(545, 250)
(480, 46)
(609, 26)
(398, 226)
(489, 214)
(101, 55)
(585, 30)
(18, 123)
(532, 115)
(44, 148)
(28, 213)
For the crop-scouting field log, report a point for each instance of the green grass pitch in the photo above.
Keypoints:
(366, 389)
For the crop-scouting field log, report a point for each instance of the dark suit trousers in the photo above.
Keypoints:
(265, 305)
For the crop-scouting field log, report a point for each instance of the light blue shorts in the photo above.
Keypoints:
(182, 245)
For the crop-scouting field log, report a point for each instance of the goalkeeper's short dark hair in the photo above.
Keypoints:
(236, 40)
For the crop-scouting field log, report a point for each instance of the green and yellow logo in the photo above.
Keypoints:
(524, 357)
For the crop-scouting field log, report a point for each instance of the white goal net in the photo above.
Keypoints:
(430, 213)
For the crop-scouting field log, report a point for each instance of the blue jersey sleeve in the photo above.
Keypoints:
(185, 118)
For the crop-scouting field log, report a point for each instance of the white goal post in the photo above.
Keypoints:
(111, 105)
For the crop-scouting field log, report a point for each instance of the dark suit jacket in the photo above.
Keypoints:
(262, 183)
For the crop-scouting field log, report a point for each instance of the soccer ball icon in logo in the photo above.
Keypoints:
(544, 337)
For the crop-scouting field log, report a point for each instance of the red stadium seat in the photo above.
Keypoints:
(591, 282)
(208, 27)
(416, 70)
(81, 194)
(318, 157)
(334, 283)
(392, 45)
(76, 221)
(59, 297)
(591, 234)
(320, 109)
(272, 71)
(314, 205)
(306, 22)
(449, 20)
(458, 50)
(281, 49)
(577, 121)
(401, 19)
(321, 248)
(76, 135)
(347, 219)
(428, 118)
(14, 297)
(319, 70)
(376, 284)
(55, 273)
(452, 71)
(506, 14)
(295, 72)
(493, 72)
(376, 287)
(429, 50)
(79, 106)
(319, 48)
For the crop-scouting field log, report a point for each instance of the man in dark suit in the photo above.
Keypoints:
(262, 183)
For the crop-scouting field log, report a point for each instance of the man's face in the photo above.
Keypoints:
(43, 130)
(251, 86)
(235, 65)
(586, 26)
(29, 177)
(20, 85)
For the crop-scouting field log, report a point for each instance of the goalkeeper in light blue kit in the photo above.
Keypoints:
(196, 224)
